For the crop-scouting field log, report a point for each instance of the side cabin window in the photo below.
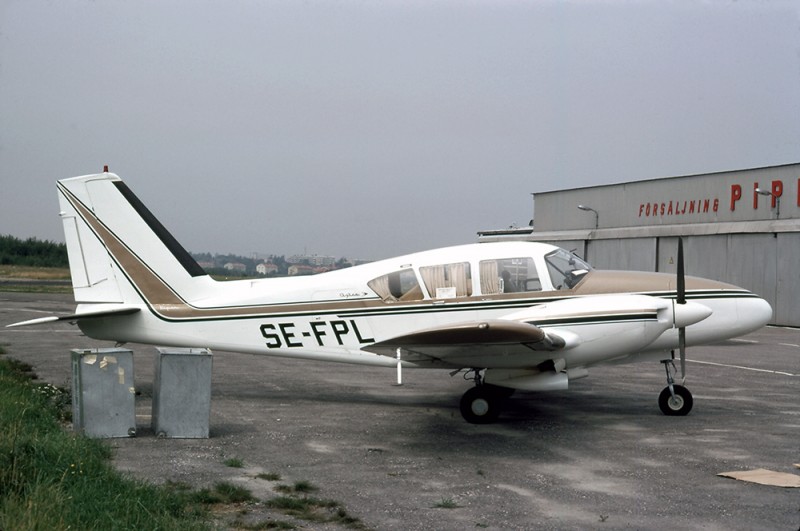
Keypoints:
(397, 286)
(509, 275)
(447, 281)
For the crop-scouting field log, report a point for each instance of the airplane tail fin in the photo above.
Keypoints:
(119, 253)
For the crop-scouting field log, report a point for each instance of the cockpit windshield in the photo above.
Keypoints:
(566, 269)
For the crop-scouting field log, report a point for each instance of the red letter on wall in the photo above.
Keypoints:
(777, 191)
(736, 194)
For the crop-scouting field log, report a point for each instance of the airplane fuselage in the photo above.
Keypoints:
(333, 316)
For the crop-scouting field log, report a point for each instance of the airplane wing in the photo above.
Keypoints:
(600, 327)
(78, 316)
(470, 343)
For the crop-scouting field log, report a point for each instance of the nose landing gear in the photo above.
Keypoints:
(675, 399)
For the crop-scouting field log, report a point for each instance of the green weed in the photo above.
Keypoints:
(312, 509)
(234, 462)
(446, 503)
(266, 524)
(222, 493)
(304, 487)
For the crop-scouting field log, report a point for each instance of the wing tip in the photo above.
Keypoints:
(38, 320)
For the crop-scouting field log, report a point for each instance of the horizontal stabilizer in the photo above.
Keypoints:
(78, 316)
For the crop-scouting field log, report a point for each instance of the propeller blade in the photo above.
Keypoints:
(681, 274)
(681, 299)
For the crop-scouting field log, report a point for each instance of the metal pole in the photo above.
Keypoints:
(399, 368)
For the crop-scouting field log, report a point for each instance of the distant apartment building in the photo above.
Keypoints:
(236, 266)
(266, 268)
(314, 260)
(300, 269)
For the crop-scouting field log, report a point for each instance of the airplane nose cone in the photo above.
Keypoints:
(690, 313)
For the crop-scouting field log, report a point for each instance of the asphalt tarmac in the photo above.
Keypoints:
(599, 456)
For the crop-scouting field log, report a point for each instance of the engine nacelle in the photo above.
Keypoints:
(527, 380)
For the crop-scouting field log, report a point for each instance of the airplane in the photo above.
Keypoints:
(508, 315)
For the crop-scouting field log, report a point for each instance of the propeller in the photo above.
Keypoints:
(681, 299)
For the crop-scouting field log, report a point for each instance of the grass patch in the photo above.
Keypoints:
(35, 288)
(29, 279)
(222, 493)
(34, 273)
(266, 524)
(295, 502)
(234, 462)
(446, 503)
(269, 476)
(314, 510)
(18, 369)
(304, 487)
(299, 487)
(51, 479)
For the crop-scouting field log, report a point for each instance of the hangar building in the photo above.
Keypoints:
(740, 226)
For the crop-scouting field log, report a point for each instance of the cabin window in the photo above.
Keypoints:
(447, 281)
(397, 286)
(509, 275)
(565, 269)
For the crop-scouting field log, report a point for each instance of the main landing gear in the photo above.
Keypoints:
(674, 400)
(482, 404)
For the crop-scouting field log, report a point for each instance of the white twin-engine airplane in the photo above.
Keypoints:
(513, 316)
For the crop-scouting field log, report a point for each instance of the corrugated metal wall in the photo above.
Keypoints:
(787, 304)
(637, 254)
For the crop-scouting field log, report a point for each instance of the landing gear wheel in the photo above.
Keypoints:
(499, 390)
(480, 405)
(680, 405)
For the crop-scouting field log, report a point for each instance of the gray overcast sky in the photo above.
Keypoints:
(370, 129)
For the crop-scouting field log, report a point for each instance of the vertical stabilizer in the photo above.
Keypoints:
(118, 251)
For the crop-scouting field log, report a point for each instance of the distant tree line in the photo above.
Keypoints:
(219, 261)
(32, 252)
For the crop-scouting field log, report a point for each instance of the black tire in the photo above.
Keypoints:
(480, 405)
(499, 390)
(679, 406)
